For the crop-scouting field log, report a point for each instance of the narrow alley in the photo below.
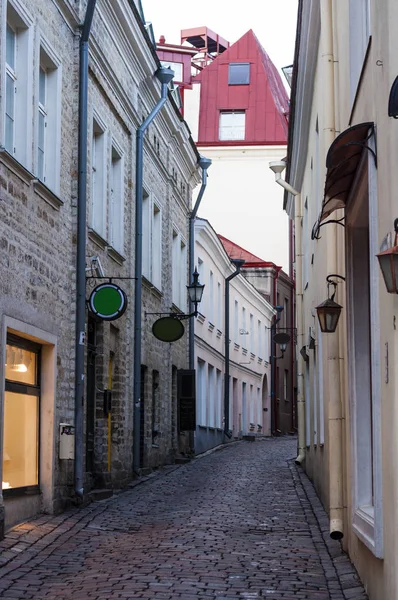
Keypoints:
(243, 522)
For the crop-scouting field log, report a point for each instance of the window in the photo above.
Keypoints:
(219, 399)
(285, 385)
(359, 17)
(232, 125)
(219, 306)
(179, 271)
(251, 331)
(48, 122)
(151, 240)
(211, 297)
(17, 108)
(177, 67)
(201, 393)
(259, 340)
(21, 416)
(238, 73)
(364, 355)
(236, 319)
(98, 180)
(211, 395)
(116, 207)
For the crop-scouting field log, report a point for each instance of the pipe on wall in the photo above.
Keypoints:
(335, 412)
(81, 251)
(204, 163)
(165, 76)
(300, 333)
(238, 263)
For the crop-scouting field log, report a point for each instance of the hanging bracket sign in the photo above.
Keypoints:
(108, 301)
(168, 329)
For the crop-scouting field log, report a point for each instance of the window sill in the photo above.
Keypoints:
(31, 490)
(15, 166)
(115, 255)
(97, 239)
(151, 288)
(201, 318)
(219, 333)
(236, 346)
(47, 195)
(244, 351)
(211, 326)
(252, 356)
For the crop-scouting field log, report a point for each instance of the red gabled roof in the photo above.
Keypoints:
(251, 260)
(264, 99)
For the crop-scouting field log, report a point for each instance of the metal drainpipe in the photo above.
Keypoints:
(165, 76)
(335, 409)
(238, 264)
(273, 361)
(204, 163)
(81, 252)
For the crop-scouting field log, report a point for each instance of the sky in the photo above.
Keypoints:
(273, 22)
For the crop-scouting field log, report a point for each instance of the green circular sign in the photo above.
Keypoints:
(168, 329)
(108, 301)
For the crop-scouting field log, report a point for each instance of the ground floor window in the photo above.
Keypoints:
(21, 416)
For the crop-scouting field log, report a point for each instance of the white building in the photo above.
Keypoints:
(249, 349)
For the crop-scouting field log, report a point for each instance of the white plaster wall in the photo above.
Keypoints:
(243, 202)
(247, 364)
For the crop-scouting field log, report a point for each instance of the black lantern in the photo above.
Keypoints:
(329, 311)
(195, 291)
(388, 261)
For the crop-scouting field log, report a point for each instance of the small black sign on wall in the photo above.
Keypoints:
(186, 396)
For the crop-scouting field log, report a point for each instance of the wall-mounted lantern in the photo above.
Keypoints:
(329, 311)
(388, 261)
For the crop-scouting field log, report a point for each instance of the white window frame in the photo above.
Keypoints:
(201, 389)
(116, 199)
(21, 23)
(50, 110)
(152, 240)
(366, 446)
(97, 215)
(179, 270)
(232, 125)
(359, 34)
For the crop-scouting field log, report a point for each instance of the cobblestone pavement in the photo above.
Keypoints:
(243, 523)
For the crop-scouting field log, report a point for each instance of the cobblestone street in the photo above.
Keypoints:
(243, 522)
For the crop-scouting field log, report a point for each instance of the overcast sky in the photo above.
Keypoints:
(273, 22)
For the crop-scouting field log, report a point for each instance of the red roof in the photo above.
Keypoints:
(264, 99)
(251, 260)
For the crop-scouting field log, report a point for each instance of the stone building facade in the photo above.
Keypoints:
(39, 58)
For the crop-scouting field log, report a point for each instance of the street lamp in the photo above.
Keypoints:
(329, 311)
(195, 291)
(388, 261)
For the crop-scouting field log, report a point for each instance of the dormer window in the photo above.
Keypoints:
(232, 125)
(238, 73)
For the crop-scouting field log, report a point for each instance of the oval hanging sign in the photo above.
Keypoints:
(108, 301)
(168, 329)
(281, 338)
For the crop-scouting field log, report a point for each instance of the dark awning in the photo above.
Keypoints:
(342, 162)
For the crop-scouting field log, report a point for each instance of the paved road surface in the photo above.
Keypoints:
(237, 523)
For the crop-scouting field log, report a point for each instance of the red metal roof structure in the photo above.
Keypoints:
(263, 99)
(251, 260)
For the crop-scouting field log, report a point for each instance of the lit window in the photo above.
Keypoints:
(239, 74)
(232, 125)
(21, 416)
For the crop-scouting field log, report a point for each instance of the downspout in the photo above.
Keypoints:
(300, 333)
(277, 168)
(165, 76)
(238, 263)
(204, 163)
(274, 416)
(335, 413)
(81, 251)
